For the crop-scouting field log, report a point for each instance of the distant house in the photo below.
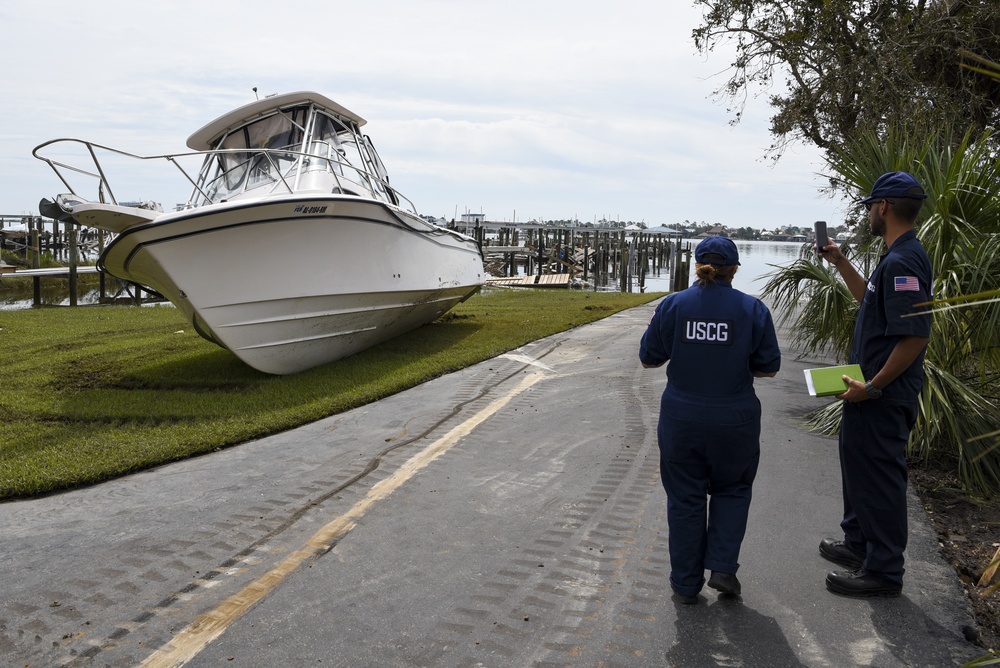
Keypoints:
(717, 231)
(782, 235)
(473, 218)
(662, 229)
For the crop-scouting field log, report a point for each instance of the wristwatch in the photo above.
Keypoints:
(873, 392)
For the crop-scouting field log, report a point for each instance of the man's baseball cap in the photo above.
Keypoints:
(895, 184)
(717, 246)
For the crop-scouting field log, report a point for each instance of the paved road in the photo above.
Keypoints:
(509, 514)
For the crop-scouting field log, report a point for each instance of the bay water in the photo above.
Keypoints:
(757, 258)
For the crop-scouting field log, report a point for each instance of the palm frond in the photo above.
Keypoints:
(960, 229)
(817, 305)
(989, 68)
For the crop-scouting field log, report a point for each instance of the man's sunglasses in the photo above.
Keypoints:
(868, 205)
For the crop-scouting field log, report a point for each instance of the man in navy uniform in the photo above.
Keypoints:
(879, 414)
(717, 340)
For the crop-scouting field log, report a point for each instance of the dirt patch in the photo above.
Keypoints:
(969, 535)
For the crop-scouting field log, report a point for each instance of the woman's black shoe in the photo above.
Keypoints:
(725, 583)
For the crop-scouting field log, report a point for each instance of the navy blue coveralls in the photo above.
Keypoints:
(874, 433)
(714, 337)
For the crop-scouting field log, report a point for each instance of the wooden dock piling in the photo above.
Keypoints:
(589, 257)
(29, 238)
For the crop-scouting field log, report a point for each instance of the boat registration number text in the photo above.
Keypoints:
(310, 209)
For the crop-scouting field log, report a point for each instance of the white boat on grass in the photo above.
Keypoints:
(293, 250)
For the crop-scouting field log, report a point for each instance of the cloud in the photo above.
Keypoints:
(554, 111)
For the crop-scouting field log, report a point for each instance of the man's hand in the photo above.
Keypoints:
(854, 281)
(831, 253)
(855, 391)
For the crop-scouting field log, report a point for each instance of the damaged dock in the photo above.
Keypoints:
(581, 257)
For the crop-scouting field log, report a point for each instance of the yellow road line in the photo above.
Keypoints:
(190, 641)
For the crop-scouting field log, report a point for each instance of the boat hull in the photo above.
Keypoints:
(293, 282)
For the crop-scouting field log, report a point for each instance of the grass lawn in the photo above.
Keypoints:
(91, 393)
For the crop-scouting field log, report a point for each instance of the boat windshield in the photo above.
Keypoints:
(238, 162)
(301, 148)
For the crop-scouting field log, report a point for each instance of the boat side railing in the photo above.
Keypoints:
(105, 194)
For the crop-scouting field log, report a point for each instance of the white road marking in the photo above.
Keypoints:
(525, 359)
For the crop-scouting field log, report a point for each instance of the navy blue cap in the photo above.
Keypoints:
(895, 185)
(718, 246)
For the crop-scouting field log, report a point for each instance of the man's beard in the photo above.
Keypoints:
(877, 224)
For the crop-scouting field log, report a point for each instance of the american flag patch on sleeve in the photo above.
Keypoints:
(906, 283)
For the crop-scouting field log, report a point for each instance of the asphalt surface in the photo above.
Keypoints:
(509, 514)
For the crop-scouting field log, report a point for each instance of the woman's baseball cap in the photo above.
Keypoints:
(720, 246)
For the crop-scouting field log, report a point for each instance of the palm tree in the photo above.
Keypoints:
(960, 230)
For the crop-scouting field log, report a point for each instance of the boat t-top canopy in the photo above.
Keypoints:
(203, 139)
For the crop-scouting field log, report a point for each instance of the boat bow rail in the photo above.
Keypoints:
(262, 172)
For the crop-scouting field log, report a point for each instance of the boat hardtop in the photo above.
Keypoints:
(206, 138)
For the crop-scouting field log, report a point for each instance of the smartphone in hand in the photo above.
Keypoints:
(821, 237)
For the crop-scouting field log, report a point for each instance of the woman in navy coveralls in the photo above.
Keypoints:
(717, 339)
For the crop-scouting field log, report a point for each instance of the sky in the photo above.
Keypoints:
(520, 110)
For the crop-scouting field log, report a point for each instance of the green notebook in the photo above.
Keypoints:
(828, 381)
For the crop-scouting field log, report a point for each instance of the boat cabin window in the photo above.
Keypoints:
(284, 130)
(346, 158)
(328, 128)
(281, 130)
